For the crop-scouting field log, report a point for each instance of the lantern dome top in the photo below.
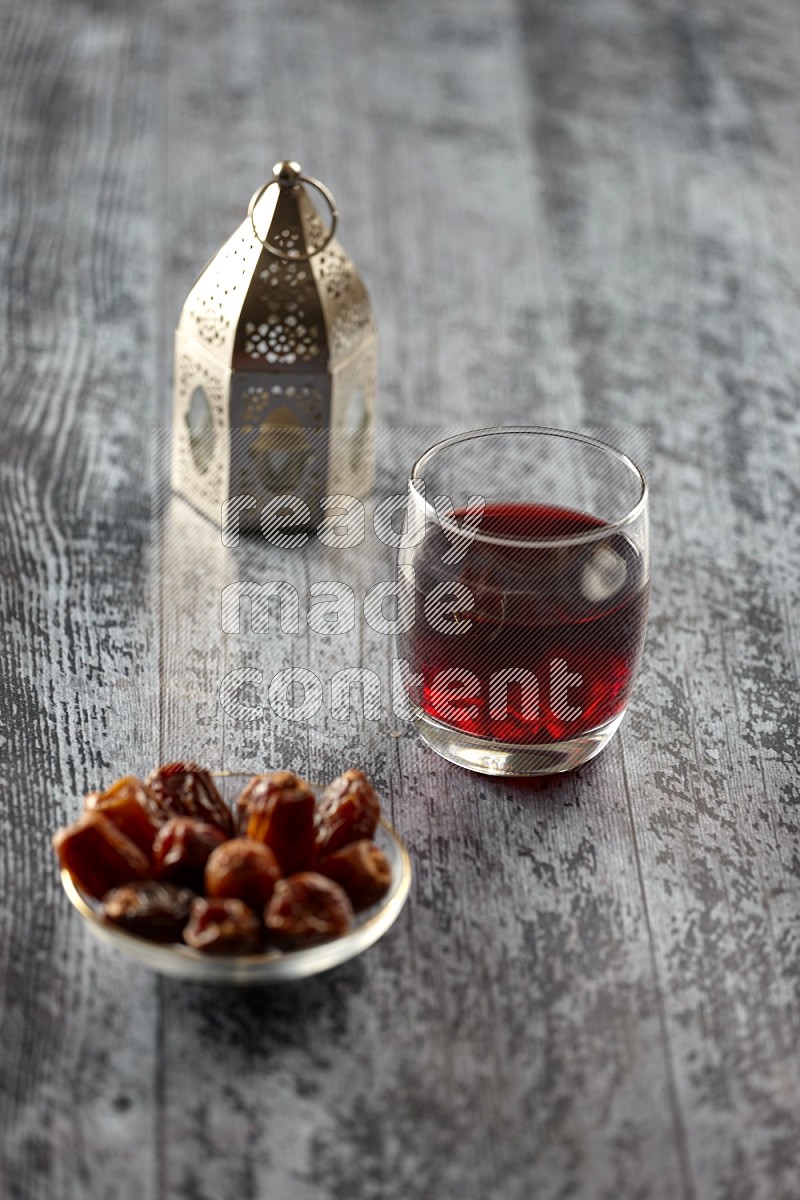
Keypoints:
(287, 171)
(281, 294)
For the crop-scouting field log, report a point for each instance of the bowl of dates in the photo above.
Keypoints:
(287, 880)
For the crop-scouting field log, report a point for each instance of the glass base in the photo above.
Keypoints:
(511, 758)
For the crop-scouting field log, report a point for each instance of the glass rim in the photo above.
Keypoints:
(590, 535)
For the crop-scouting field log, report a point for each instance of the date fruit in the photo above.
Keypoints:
(132, 808)
(305, 909)
(166, 860)
(98, 856)
(242, 869)
(223, 927)
(280, 813)
(157, 911)
(182, 849)
(348, 811)
(186, 790)
(362, 869)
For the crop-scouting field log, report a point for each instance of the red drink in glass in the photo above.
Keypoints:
(523, 590)
(551, 644)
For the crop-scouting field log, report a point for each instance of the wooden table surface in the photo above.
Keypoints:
(577, 214)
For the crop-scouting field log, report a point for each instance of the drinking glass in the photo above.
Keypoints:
(523, 587)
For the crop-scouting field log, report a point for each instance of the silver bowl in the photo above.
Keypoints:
(271, 966)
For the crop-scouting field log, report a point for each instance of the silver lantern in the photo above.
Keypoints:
(275, 364)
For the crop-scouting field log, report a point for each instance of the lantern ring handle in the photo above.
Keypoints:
(276, 250)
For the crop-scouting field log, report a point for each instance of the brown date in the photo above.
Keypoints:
(132, 808)
(280, 813)
(362, 869)
(182, 849)
(348, 811)
(186, 790)
(157, 911)
(223, 927)
(98, 856)
(242, 869)
(307, 908)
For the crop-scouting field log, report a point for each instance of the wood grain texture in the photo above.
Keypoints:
(566, 213)
(78, 349)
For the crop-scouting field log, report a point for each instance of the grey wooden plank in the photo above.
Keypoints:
(466, 1056)
(675, 240)
(78, 335)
